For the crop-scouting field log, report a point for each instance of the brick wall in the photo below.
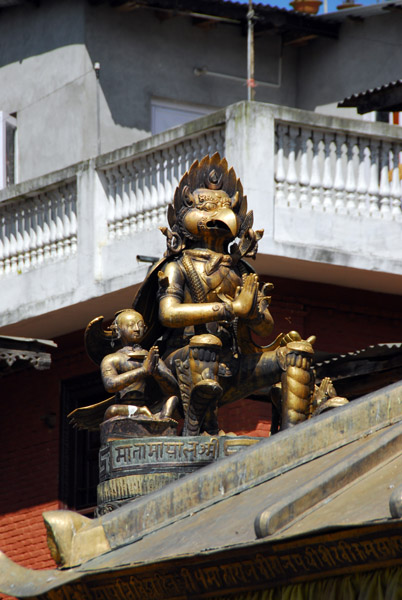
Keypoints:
(342, 319)
(246, 417)
(29, 460)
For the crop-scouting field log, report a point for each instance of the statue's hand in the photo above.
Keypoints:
(245, 303)
(151, 361)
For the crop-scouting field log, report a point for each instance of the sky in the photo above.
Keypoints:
(332, 4)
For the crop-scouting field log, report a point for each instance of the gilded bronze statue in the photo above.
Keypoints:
(183, 350)
(203, 304)
(126, 372)
(211, 303)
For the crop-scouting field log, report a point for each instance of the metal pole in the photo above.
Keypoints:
(98, 123)
(250, 52)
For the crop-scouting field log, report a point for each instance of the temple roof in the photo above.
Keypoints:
(329, 479)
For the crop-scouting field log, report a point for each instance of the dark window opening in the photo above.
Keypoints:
(382, 116)
(8, 158)
(79, 471)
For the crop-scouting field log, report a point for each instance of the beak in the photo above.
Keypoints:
(224, 219)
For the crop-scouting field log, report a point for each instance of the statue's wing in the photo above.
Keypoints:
(146, 303)
(98, 340)
(90, 417)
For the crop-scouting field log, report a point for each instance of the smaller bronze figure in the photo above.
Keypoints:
(132, 374)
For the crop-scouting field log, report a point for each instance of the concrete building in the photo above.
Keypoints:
(94, 170)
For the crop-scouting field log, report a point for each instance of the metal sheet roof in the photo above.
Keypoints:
(208, 517)
(387, 97)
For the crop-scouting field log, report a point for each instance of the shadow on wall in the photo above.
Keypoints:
(144, 55)
(141, 54)
(38, 29)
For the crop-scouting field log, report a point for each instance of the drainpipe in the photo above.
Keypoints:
(250, 52)
(98, 124)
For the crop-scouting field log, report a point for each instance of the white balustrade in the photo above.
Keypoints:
(342, 184)
(351, 170)
(140, 189)
(38, 228)
(396, 190)
(331, 171)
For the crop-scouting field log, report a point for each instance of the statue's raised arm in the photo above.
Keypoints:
(211, 303)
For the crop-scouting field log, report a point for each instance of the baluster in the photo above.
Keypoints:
(174, 170)
(190, 151)
(220, 144)
(373, 182)
(146, 194)
(215, 138)
(58, 201)
(327, 181)
(199, 148)
(304, 178)
(140, 195)
(33, 239)
(132, 210)
(7, 242)
(66, 212)
(111, 213)
(168, 190)
(124, 178)
(52, 208)
(339, 179)
(351, 187)
(46, 228)
(315, 182)
(291, 173)
(215, 142)
(26, 237)
(153, 189)
(211, 144)
(363, 176)
(19, 222)
(40, 229)
(280, 166)
(13, 242)
(118, 202)
(384, 191)
(396, 185)
(73, 218)
(160, 185)
(2, 245)
(170, 172)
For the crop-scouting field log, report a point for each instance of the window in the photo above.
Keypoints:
(166, 114)
(79, 471)
(8, 128)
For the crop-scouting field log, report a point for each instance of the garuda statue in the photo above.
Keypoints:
(202, 304)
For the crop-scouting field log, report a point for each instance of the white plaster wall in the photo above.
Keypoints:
(47, 77)
(65, 294)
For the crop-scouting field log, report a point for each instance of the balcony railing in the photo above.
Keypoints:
(140, 189)
(324, 189)
(38, 228)
(341, 172)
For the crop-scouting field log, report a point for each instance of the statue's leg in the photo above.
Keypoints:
(253, 372)
(290, 366)
(203, 359)
(297, 382)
